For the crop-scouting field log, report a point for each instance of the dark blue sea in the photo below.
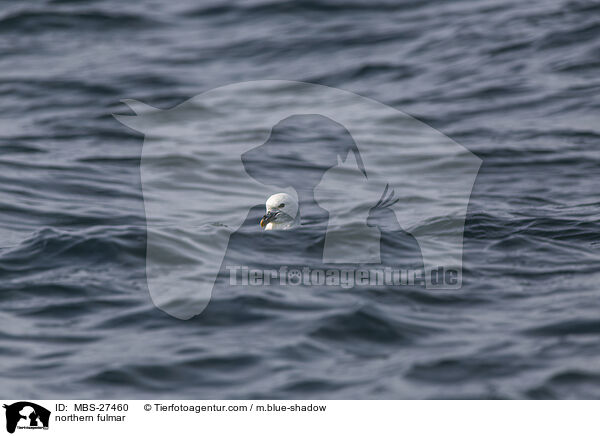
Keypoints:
(515, 83)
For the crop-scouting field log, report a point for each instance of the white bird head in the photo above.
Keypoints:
(282, 212)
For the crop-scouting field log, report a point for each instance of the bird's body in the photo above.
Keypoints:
(282, 213)
(276, 226)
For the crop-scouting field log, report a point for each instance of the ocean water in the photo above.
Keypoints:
(516, 83)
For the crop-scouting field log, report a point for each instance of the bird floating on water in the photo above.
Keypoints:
(282, 213)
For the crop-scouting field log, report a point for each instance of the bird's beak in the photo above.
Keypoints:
(267, 218)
